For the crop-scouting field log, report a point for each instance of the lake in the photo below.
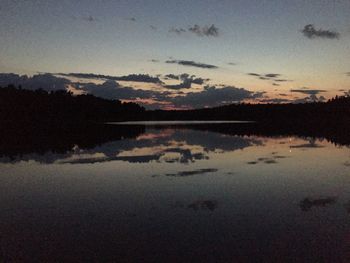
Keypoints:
(176, 193)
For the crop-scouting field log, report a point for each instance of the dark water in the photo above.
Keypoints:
(177, 194)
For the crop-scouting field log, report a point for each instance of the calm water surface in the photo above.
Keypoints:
(178, 194)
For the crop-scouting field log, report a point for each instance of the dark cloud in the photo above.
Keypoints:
(311, 98)
(307, 91)
(191, 64)
(90, 18)
(275, 84)
(232, 64)
(269, 76)
(347, 74)
(272, 75)
(208, 31)
(132, 77)
(132, 19)
(201, 31)
(307, 203)
(193, 172)
(45, 81)
(172, 76)
(311, 32)
(312, 143)
(153, 27)
(177, 31)
(154, 60)
(213, 96)
(113, 90)
(275, 100)
(210, 205)
(254, 74)
(282, 80)
(186, 83)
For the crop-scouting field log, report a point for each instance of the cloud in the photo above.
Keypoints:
(311, 98)
(191, 64)
(172, 76)
(45, 81)
(347, 74)
(90, 18)
(113, 90)
(231, 63)
(308, 91)
(177, 31)
(268, 76)
(312, 95)
(282, 80)
(272, 75)
(153, 27)
(254, 74)
(275, 100)
(308, 203)
(186, 83)
(310, 32)
(132, 19)
(208, 31)
(132, 77)
(212, 96)
(200, 31)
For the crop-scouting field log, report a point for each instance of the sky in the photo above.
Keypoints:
(182, 54)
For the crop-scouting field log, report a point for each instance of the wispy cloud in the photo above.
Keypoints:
(254, 74)
(311, 32)
(132, 77)
(213, 96)
(200, 31)
(191, 64)
(272, 75)
(132, 19)
(308, 91)
(90, 18)
(269, 76)
(41, 81)
(207, 31)
(186, 83)
(177, 31)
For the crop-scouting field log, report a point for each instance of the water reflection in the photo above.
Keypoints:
(194, 172)
(175, 194)
(168, 145)
(308, 203)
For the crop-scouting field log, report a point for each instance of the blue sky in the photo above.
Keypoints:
(123, 37)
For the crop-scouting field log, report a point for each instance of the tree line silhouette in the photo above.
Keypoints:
(336, 109)
(61, 107)
(41, 121)
(17, 104)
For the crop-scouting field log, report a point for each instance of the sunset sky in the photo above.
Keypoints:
(190, 54)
